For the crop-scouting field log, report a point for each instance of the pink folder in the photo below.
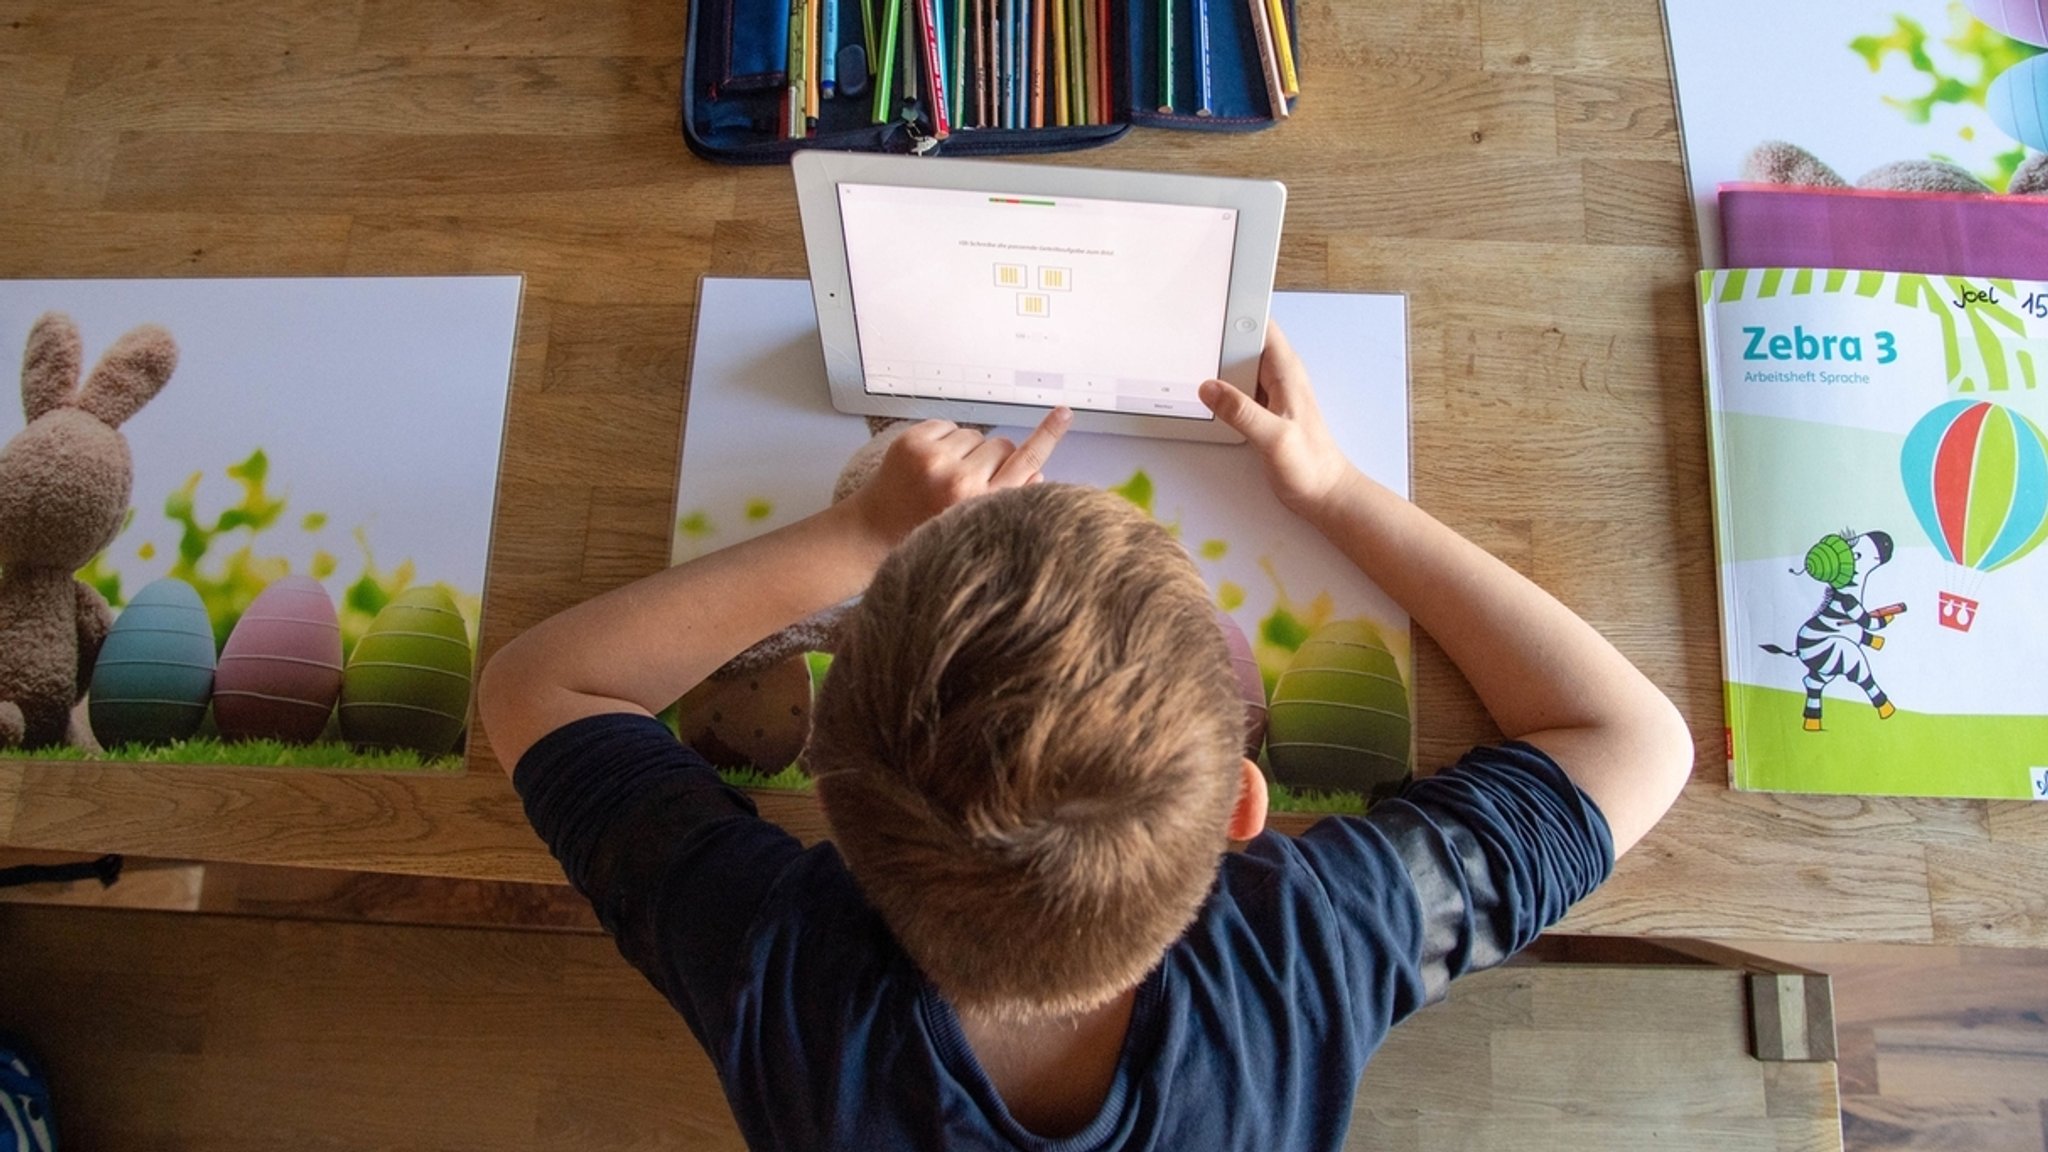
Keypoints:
(1941, 233)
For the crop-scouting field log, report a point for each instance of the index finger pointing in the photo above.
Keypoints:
(1031, 455)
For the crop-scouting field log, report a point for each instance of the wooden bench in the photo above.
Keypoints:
(228, 1032)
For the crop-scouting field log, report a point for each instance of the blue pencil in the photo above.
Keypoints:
(1024, 63)
(1206, 106)
(956, 73)
(828, 51)
(1020, 90)
(1027, 21)
(942, 97)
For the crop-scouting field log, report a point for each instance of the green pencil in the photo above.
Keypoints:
(867, 33)
(884, 89)
(1166, 56)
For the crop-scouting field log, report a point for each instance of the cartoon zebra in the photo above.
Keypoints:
(1832, 640)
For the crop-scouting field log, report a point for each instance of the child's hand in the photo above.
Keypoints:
(938, 464)
(1303, 463)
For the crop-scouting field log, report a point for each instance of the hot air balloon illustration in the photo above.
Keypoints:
(1976, 474)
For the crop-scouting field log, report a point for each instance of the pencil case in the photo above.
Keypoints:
(735, 90)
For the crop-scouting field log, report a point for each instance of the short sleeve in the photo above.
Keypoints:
(1495, 849)
(676, 863)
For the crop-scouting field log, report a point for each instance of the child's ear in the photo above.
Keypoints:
(133, 370)
(49, 367)
(1248, 815)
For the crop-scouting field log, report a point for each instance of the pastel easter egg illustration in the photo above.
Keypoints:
(759, 720)
(155, 670)
(280, 671)
(2024, 20)
(2018, 102)
(1339, 717)
(1250, 684)
(408, 681)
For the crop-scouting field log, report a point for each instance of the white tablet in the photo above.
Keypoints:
(989, 292)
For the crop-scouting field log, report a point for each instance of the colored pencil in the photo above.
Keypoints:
(1098, 54)
(1283, 47)
(1021, 115)
(793, 75)
(1205, 91)
(981, 63)
(907, 71)
(814, 35)
(1026, 15)
(934, 70)
(867, 33)
(1038, 63)
(957, 78)
(1166, 55)
(1056, 61)
(828, 53)
(1084, 72)
(1083, 12)
(885, 72)
(941, 93)
(1276, 98)
(1009, 65)
(1102, 62)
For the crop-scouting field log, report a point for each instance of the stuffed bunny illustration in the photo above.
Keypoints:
(64, 486)
(1776, 162)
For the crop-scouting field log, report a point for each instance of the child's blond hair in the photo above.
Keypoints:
(1028, 748)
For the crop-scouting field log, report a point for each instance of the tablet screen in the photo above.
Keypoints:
(1014, 298)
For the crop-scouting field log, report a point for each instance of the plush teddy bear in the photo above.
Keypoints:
(1776, 162)
(64, 486)
(754, 711)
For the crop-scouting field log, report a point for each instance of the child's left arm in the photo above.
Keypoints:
(639, 648)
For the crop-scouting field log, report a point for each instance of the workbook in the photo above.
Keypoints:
(1880, 482)
(1323, 656)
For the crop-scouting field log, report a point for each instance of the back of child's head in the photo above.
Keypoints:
(1028, 748)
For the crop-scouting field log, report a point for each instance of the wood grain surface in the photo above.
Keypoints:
(1940, 1048)
(1511, 165)
(215, 1033)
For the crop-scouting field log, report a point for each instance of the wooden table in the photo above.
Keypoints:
(1512, 165)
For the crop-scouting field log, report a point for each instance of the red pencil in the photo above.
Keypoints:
(1104, 106)
(935, 90)
(1037, 53)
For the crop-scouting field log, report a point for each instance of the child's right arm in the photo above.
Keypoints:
(1544, 675)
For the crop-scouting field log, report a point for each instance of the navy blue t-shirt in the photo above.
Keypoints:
(1251, 1033)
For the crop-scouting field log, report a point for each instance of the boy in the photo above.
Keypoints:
(1028, 750)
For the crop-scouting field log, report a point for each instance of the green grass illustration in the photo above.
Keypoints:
(328, 756)
(1911, 754)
